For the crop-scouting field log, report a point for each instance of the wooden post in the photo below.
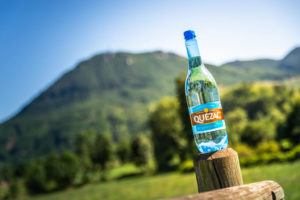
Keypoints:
(264, 190)
(217, 170)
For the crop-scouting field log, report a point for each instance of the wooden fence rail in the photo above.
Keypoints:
(263, 190)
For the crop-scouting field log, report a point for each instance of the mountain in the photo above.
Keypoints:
(255, 70)
(111, 92)
(108, 93)
(291, 62)
(248, 64)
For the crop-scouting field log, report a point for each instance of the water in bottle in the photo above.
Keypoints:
(203, 101)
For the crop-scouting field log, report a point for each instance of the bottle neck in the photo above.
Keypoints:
(193, 53)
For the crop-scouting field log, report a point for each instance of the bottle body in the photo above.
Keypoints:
(204, 104)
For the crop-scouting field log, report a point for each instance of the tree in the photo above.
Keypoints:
(267, 109)
(141, 150)
(14, 189)
(236, 122)
(62, 169)
(102, 151)
(84, 141)
(22, 169)
(167, 132)
(123, 150)
(35, 180)
(83, 148)
(258, 131)
(6, 172)
(69, 167)
(239, 97)
(268, 147)
(190, 148)
(292, 130)
(52, 170)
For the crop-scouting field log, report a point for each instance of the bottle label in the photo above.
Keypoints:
(207, 117)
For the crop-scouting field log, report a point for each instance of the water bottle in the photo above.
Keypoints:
(203, 101)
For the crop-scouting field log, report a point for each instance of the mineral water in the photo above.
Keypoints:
(203, 101)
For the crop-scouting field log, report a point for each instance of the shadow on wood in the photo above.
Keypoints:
(263, 190)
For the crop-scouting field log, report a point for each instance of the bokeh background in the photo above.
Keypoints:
(92, 95)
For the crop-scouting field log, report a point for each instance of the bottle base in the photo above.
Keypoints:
(207, 147)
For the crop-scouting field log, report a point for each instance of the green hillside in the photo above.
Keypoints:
(111, 93)
(263, 69)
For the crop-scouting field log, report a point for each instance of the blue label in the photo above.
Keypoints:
(203, 106)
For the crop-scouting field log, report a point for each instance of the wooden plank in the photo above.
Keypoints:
(264, 190)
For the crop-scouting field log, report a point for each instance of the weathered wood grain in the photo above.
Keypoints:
(264, 190)
(217, 170)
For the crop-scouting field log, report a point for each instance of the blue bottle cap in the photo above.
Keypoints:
(189, 35)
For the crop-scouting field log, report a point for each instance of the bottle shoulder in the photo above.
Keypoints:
(200, 74)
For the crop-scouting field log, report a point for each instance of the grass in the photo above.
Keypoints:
(176, 185)
(127, 170)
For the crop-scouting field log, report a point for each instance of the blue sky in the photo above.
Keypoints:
(40, 40)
